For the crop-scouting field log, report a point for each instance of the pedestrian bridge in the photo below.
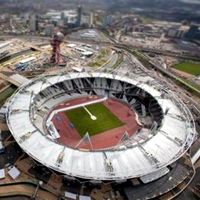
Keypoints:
(13, 78)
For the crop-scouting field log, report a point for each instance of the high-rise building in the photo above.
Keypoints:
(177, 31)
(107, 20)
(33, 23)
(91, 19)
(79, 15)
(193, 32)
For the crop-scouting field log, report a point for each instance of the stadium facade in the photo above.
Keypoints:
(166, 135)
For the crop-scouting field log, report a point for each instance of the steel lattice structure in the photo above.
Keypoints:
(55, 43)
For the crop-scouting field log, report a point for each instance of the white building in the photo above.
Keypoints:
(67, 16)
(4, 49)
(33, 23)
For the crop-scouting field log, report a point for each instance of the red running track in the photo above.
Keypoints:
(70, 137)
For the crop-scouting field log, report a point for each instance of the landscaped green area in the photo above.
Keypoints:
(188, 85)
(189, 67)
(82, 121)
(147, 20)
(100, 59)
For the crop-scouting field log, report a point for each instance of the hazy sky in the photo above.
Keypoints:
(191, 1)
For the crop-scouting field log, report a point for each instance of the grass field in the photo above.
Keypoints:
(189, 67)
(147, 20)
(83, 123)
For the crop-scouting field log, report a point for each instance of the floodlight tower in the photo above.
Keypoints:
(55, 43)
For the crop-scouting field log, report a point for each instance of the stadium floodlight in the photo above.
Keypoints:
(125, 137)
(85, 139)
(60, 157)
(166, 111)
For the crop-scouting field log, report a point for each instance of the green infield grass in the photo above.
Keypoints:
(105, 119)
(189, 67)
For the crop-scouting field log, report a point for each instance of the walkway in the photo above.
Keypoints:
(13, 78)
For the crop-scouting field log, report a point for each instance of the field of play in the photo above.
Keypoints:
(188, 67)
(83, 122)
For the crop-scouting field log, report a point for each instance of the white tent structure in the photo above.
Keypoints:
(2, 173)
(70, 195)
(83, 197)
(14, 173)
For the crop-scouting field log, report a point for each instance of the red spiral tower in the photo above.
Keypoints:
(55, 43)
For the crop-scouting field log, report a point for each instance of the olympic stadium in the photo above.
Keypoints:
(106, 126)
(100, 126)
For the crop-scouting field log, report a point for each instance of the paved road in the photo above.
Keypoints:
(187, 194)
(156, 51)
(26, 190)
(16, 198)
